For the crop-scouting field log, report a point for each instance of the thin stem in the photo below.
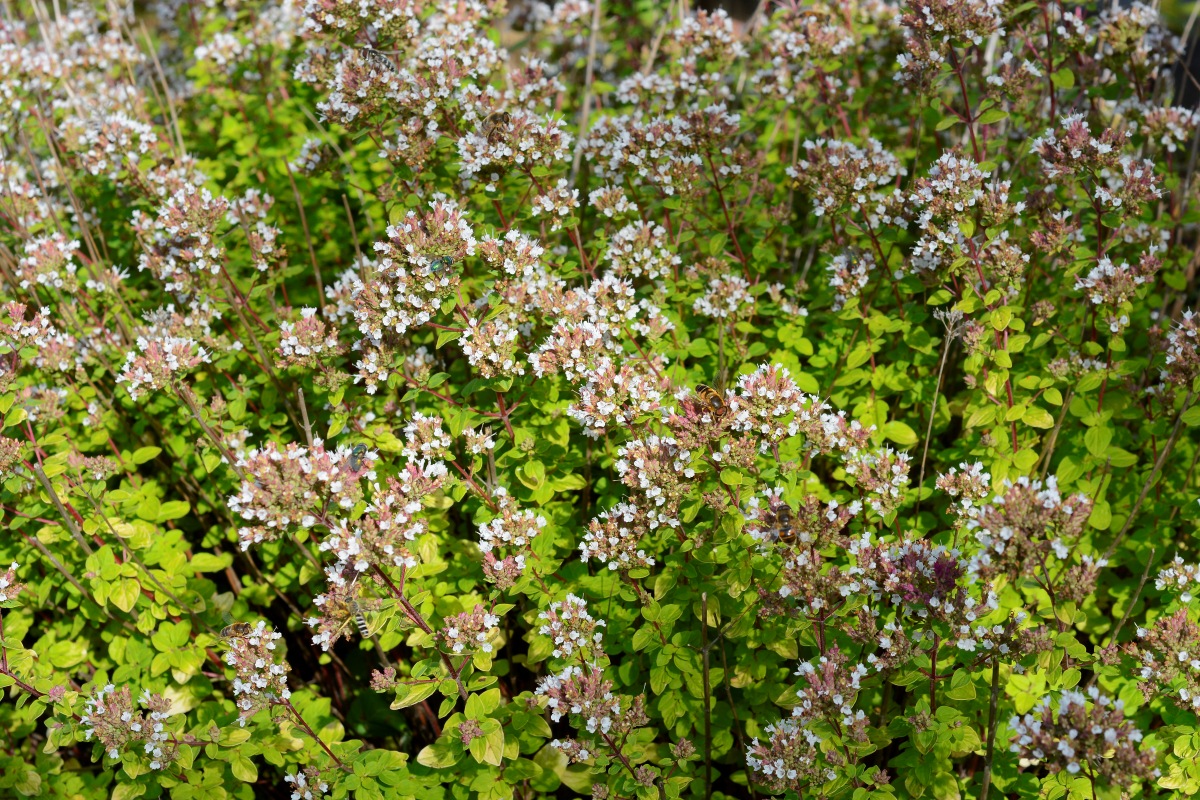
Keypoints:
(1158, 464)
(312, 254)
(1112, 639)
(707, 696)
(308, 729)
(932, 413)
(304, 416)
(185, 394)
(933, 676)
(728, 219)
(1049, 451)
(76, 534)
(420, 622)
(586, 110)
(991, 730)
(4, 665)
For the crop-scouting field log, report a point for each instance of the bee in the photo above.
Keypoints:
(784, 528)
(713, 401)
(378, 59)
(495, 126)
(356, 457)
(238, 630)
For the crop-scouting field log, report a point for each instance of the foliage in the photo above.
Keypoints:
(411, 399)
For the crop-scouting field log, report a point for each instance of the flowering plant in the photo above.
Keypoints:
(417, 399)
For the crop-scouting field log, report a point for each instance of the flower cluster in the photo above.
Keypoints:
(159, 362)
(791, 758)
(10, 587)
(307, 341)
(470, 632)
(506, 541)
(613, 538)
(111, 717)
(296, 486)
(574, 632)
(583, 693)
(1180, 577)
(259, 680)
(967, 488)
(1084, 733)
(841, 175)
(1168, 656)
(1024, 525)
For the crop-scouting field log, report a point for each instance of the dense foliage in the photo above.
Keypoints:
(433, 399)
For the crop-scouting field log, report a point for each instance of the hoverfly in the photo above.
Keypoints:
(712, 401)
(361, 620)
(495, 126)
(784, 529)
(347, 613)
(356, 457)
(378, 59)
(238, 630)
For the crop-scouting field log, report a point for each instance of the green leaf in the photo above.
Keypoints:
(1101, 516)
(899, 432)
(207, 562)
(1038, 417)
(65, 655)
(1063, 78)
(1191, 417)
(1097, 440)
(716, 245)
(962, 686)
(992, 115)
(439, 755)
(981, 416)
(124, 594)
(243, 769)
(148, 509)
(411, 695)
(532, 474)
(144, 454)
(173, 509)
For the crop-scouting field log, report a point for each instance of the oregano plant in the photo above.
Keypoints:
(453, 399)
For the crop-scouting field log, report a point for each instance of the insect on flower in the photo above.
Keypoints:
(784, 529)
(440, 264)
(378, 59)
(713, 401)
(495, 126)
(356, 457)
(361, 620)
(238, 630)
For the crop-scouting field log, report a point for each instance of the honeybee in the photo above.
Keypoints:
(713, 401)
(378, 59)
(238, 630)
(495, 126)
